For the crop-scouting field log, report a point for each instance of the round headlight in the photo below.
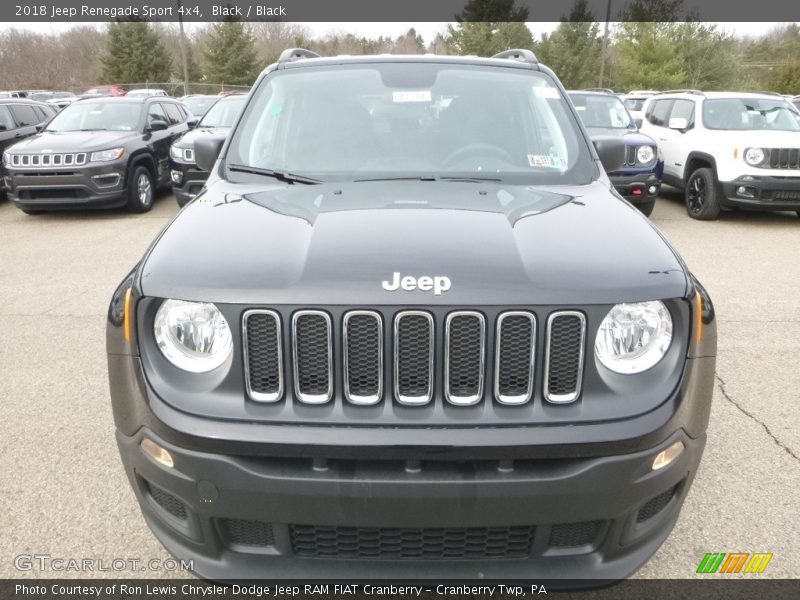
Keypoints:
(754, 156)
(634, 337)
(645, 154)
(193, 336)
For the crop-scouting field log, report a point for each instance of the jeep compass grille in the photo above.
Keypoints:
(368, 356)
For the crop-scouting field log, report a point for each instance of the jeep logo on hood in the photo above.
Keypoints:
(438, 283)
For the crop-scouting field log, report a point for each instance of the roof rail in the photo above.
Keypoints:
(293, 54)
(604, 90)
(767, 93)
(698, 92)
(519, 54)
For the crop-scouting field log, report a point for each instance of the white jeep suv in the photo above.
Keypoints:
(727, 149)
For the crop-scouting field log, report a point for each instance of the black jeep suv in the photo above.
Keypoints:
(20, 118)
(96, 153)
(409, 331)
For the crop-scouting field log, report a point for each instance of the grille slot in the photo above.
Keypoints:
(514, 358)
(263, 360)
(167, 501)
(782, 158)
(465, 333)
(411, 544)
(313, 356)
(630, 156)
(363, 357)
(655, 505)
(413, 357)
(563, 368)
(572, 535)
(243, 532)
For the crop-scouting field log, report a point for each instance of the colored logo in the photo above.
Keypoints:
(734, 562)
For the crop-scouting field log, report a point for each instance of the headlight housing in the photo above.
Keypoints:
(754, 156)
(182, 154)
(645, 154)
(106, 155)
(634, 337)
(193, 336)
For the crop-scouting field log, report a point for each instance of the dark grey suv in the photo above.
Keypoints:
(20, 118)
(409, 331)
(96, 153)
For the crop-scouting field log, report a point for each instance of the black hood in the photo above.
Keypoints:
(187, 139)
(74, 141)
(336, 244)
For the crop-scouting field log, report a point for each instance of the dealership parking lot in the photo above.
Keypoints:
(65, 494)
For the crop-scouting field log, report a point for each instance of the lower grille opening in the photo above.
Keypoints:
(247, 533)
(167, 501)
(384, 543)
(47, 194)
(571, 535)
(655, 505)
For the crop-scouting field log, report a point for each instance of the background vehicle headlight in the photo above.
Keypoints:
(634, 337)
(645, 154)
(112, 154)
(754, 156)
(176, 153)
(193, 336)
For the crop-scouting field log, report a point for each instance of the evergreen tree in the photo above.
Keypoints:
(573, 49)
(230, 54)
(487, 27)
(135, 54)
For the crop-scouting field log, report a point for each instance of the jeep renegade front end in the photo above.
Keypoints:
(409, 331)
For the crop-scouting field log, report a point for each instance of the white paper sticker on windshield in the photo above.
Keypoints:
(547, 92)
(412, 96)
(546, 161)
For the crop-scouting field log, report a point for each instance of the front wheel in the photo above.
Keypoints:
(702, 196)
(140, 190)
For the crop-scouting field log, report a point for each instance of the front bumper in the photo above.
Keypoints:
(636, 187)
(253, 501)
(762, 193)
(95, 185)
(187, 181)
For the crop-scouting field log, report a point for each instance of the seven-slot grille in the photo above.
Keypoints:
(782, 158)
(411, 354)
(35, 161)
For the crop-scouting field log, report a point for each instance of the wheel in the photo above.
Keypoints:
(646, 207)
(140, 190)
(702, 195)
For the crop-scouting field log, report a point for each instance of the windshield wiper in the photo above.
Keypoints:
(470, 179)
(432, 178)
(279, 175)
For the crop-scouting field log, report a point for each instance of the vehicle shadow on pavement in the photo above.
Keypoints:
(162, 198)
(762, 217)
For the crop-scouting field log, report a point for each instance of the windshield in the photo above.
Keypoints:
(91, 116)
(634, 103)
(398, 120)
(199, 105)
(750, 113)
(223, 113)
(602, 110)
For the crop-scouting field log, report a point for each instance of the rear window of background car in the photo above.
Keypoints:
(24, 115)
(6, 120)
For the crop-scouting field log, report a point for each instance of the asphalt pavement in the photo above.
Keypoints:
(64, 492)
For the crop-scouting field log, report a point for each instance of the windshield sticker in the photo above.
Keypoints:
(546, 161)
(547, 92)
(579, 108)
(412, 96)
(275, 110)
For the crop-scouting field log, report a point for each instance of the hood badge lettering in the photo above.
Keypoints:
(426, 283)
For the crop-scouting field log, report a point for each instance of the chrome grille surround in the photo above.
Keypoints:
(255, 395)
(46, 159)
(516, 398)
(356, 398)
(562, 398)
(413, 400)
(451, 397)
(310, 398)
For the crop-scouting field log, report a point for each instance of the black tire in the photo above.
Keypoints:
(141, 191)
(647, 207)
(702, 195)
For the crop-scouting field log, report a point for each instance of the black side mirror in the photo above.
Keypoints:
(206, 151)
(157, 126)
(610, 151)
(192, 122)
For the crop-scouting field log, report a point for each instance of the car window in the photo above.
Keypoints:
(223, 113)
(6, 120)
(98, 115)
(657, 112)
(199, 105)
(357, 122)
(24, 115)
(750, 114)
(156, 114)
(601, 110)
(634, 103)
(173, 113)
(683, 109)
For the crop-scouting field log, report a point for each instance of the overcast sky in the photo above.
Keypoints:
(427, 30)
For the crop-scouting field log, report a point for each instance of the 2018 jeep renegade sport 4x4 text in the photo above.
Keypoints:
(409, 331)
